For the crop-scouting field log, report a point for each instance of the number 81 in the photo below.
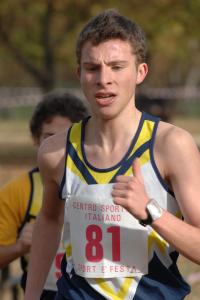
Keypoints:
(94, 249)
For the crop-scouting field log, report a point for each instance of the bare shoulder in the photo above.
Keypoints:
(175, 145)
(169, 135)
(51, 156)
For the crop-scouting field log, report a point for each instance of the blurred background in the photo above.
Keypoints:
(37, 54)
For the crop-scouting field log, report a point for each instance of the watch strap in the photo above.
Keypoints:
(147, 221)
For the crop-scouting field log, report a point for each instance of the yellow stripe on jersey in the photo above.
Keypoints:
(105, 177)
(37, 194)
(178, 214)
(121, 293)
(144, 136)
(144, 158)
(75, 139)
(100, 178)
(155, 240)
(72, 167)
(75, 133)
(69, 251)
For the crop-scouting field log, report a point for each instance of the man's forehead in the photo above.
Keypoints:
(113, 49)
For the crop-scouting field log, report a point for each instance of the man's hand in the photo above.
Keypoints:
(129, 192)
(25, 239)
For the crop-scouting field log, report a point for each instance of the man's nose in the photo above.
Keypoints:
(104, 76)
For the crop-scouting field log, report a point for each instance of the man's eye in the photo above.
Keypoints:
(117, 68)
(91, 69)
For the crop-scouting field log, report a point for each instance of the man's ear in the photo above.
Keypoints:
(142, 71)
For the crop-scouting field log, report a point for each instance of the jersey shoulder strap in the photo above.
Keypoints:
(35, 197)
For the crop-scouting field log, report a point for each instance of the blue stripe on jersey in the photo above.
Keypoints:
(80, 165)
(86, 174)
(161, 283)
(129, 161)
(151, 117)
(61, 188)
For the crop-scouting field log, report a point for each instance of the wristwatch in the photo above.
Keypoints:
(154, 212)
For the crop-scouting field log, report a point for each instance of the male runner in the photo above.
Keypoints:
(21, 199)
(123, 220)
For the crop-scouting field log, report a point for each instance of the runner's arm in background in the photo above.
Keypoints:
(14, 198)
(9, 253)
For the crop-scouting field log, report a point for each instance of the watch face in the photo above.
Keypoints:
(154, 209)
(154, 212)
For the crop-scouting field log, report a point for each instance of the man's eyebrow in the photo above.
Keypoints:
(115, 62)
(112, 62)
(90, 63)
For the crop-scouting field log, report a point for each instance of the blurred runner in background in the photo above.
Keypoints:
(21, 199)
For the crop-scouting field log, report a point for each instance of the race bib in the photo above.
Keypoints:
(106, 240)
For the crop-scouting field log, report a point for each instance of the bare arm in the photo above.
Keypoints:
(182, 165)
(179, 162)
(13, 205)
(184, 237)
(8, 253)
(48, 226)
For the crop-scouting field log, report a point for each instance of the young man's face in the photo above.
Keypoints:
(108, 76)
(54, 125)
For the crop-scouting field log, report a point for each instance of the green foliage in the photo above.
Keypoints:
(16, 113)
(41, 35)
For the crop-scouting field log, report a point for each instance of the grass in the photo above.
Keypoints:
(17, 154)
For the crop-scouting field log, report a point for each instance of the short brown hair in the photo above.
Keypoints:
(56, 103)
(111, 25)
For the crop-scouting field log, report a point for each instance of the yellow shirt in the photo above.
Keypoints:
(14, 200)
(20, 201)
